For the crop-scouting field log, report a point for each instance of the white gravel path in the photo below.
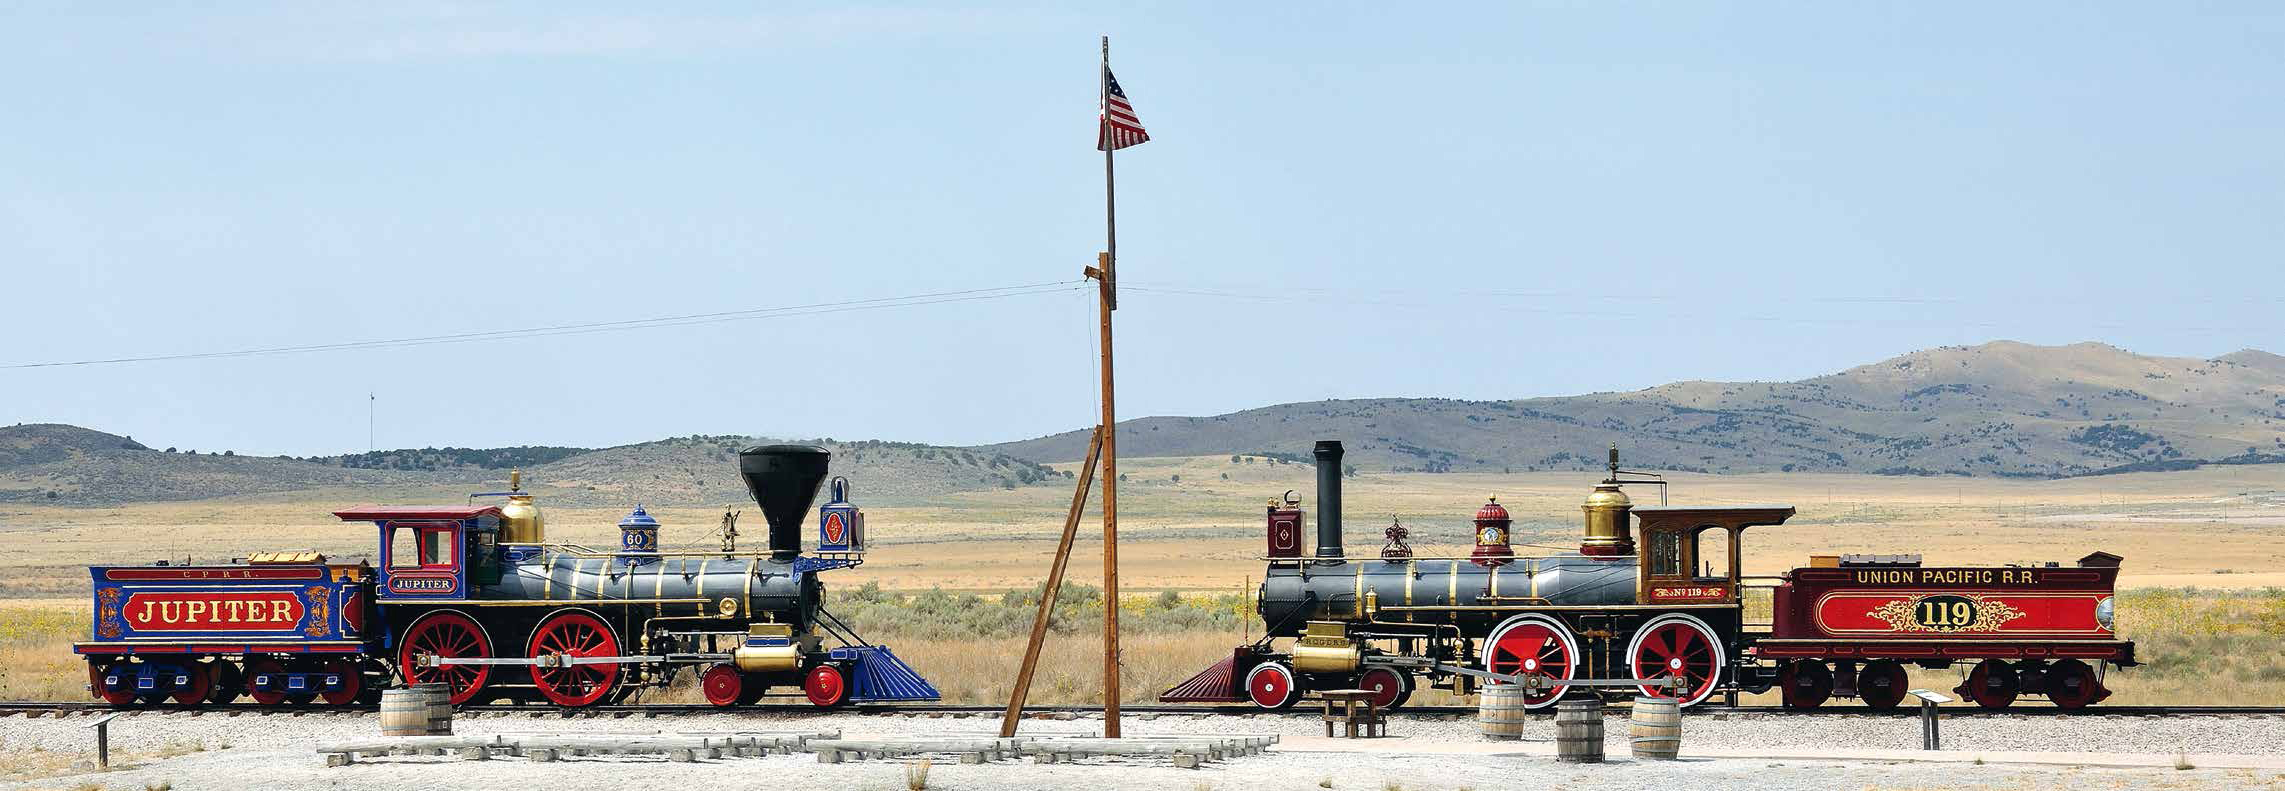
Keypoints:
(274, 752)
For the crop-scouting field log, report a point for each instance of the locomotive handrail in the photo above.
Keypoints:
(832, 623)
(1580, 607)
(587, 551)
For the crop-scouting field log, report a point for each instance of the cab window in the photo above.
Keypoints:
(1666, 554)
(414, 546)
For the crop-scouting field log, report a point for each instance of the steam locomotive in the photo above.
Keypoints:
(1653, 619)
(476, 598)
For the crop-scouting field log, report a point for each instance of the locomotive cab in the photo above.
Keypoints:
(1671, 569)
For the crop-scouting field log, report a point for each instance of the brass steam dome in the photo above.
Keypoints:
(1606, 510)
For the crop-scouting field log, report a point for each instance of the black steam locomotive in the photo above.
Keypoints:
(476, 598)
(1658, 620)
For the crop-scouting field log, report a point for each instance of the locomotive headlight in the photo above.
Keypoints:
(2103, 614)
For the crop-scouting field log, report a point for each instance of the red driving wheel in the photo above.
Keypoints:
(200, 684)
(574, 634)
(1534, 645)
(722, 684)
(826, 686)
(445, 634)
(352, 681)
(1389, 687)
(263, 683)
(1272, 686)
(1992, 684)
(1677, 646)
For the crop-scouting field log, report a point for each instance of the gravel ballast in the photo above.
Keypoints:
(216, 750)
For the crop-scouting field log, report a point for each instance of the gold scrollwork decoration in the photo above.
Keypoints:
(1909, 615)
(319, 624)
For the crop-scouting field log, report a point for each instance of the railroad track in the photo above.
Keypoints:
(60, 708)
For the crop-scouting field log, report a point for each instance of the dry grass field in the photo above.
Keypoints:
(2202, 549)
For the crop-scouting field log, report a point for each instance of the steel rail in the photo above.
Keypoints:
(8, 708)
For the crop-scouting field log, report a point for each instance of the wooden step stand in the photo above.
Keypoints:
(1355, 709)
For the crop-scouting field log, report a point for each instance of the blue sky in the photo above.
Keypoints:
(1471, 201)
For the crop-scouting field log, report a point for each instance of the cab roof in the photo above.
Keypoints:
(392, 513)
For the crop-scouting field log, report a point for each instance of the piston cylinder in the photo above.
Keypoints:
(1326, 648)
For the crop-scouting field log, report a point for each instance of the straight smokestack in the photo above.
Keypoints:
(1328, 454)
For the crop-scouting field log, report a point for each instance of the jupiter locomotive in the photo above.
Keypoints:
(476, 598)
(1636, 611)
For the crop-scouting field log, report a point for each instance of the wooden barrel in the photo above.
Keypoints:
(1657, 728)
(1579, 731)
(418, 710)
(1499, 709)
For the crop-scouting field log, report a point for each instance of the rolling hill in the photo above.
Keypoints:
(2001, 408)
(1998, 409)
(69, 465)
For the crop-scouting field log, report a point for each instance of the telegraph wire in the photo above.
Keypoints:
(1444, 301)
(785, 311)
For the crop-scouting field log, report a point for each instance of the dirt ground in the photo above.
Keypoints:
(2216, 527)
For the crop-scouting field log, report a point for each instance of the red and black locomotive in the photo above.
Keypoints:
(1636, 611)
(475, 597)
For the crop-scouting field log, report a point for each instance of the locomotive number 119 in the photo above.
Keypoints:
(1945, 613)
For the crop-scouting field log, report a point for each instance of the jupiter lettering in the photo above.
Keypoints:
(162, 612)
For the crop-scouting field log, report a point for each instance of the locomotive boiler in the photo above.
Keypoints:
(477, 598)
(1650, 617)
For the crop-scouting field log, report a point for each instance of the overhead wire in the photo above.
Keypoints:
(784, 311)
(1444, 300)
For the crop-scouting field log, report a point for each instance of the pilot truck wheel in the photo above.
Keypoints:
(723, 685)
(1272, 685)
(826, 686)
(1390, 687)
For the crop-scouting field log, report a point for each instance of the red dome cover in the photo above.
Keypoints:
(1492, 512)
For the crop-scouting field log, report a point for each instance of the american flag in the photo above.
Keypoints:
(1120, 128)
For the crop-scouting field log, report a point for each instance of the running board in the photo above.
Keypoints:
(1535, 682)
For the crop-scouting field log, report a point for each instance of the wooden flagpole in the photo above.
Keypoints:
(1107, 278)
(1054, 586)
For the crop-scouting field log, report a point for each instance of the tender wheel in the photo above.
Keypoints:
(446, 634)
(2072, 685)
(102, 674)
(825, 686)
(1992, 684)
(1389, 687)
(308, 668)
(1677, 645)
(1271, 685)
(265, 682)
(1534, 644)
(723, 685)
(201, 684)
(1881, 684)
(229, 683)
(1806, 683)
(352, 681)
(574, 634)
